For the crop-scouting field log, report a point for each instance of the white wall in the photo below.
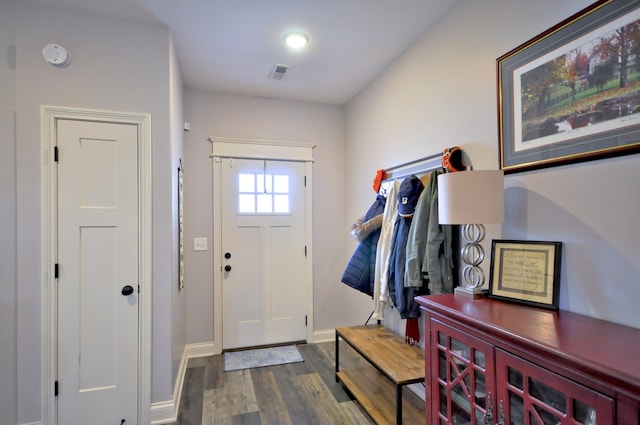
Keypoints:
(212, 114)
(442, 92)
(178, 298)
(8, 277)
(116, 65)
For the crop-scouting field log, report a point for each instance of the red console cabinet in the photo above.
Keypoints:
(494, 362)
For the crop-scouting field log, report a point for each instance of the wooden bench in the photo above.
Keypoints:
(394, 364)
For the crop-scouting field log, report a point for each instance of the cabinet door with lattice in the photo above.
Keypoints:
(463, 377)
(531, 395)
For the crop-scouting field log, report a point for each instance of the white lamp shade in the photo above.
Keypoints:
(471, 197)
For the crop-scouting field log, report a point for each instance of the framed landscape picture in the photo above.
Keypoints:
(572, 93)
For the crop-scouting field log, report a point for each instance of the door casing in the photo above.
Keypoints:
(267, 256)
(257, 149)
(49, 115)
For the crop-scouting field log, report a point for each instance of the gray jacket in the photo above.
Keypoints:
(429, 244)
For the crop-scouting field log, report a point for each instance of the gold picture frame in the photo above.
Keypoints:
(571, 94)
(526, 272)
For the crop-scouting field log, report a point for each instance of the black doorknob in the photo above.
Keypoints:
(127, 290)
(227, 255)
(227, 268)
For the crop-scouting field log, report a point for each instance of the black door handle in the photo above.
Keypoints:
(227, 255)
(227, 268)
(127, 290)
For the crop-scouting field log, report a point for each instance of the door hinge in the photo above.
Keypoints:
(138, 289)
(55, 153)
(305, 250)
(306, 323)
(305, 181)
(56, 271)
(55, 389)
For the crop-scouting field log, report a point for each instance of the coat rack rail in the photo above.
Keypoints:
(417, 166)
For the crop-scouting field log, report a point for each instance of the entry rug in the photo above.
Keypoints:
(236, 360)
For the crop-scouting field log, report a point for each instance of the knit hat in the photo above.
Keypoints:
(452, 159)
(377, 181)
(408, 195)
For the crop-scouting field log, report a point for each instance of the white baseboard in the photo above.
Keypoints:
(202, 349)
(163, 412)
(324, 336)
(32, 423)
(166, 412)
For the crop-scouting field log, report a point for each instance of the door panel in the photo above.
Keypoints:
(97, 255)
(98, 252)
(263, 230)
(462, 368)
(533, 395)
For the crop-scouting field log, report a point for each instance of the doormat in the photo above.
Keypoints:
(236, 360)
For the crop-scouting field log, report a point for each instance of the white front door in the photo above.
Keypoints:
(97, 346)
(264, 269)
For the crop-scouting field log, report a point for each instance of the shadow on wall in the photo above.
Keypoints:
(11, 56)
(596, 278)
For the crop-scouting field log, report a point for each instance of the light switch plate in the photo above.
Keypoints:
(199, 244)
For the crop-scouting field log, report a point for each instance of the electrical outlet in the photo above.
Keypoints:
(199, 244)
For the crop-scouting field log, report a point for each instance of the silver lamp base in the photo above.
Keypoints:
(472, 255)
(470, 292)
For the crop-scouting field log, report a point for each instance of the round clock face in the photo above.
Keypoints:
(56, 55)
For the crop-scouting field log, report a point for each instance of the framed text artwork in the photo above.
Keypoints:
(527, 272)
(572, 93)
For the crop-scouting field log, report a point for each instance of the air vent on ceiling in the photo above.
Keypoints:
(279, 72)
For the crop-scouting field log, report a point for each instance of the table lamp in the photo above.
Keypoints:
(471, 199)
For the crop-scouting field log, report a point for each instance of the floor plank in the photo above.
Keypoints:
(235, 397)
(191, 412)
(319, 403)
(272, 409)
(323, 362)
(302, 393)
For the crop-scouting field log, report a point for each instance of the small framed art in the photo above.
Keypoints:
(526, 272)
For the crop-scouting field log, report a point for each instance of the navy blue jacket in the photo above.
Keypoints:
(402, 297)
(360, 270)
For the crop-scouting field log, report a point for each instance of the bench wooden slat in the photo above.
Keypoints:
(402, 363)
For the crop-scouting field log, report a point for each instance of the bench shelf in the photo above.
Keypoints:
(394, 365)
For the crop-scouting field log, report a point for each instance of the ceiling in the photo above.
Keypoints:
(232, 46)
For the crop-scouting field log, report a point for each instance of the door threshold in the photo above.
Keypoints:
(255, 347)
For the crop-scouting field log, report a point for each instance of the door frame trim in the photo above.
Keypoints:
(49, 115)
(224, 147)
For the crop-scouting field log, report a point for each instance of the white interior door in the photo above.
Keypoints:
(98, 259)
(264, 275)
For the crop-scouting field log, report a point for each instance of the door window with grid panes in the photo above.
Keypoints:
(262, 193)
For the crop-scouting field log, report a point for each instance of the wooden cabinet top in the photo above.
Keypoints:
(597, 348)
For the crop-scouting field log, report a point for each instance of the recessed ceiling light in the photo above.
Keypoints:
(296, 39)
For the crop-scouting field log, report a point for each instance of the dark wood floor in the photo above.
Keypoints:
(292, 394)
